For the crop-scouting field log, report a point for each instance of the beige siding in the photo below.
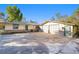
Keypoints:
(21, 27)
(8, 27)
(1, 26)
(31, 27)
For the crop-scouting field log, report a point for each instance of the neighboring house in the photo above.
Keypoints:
(12, 26)
(32, 27)
(57, 27)
(17, 26)
(2, 24)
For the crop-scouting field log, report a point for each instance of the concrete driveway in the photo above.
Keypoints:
(36, 43)
(23, 43)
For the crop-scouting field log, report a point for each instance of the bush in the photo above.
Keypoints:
(76, 35)
(1, 31)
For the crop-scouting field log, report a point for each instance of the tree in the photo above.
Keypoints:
(76, 12)
(74, 19)
(58, 15)
(14, 14)
(65, 17)
(31, 21)
(52, 18)
(2, 15)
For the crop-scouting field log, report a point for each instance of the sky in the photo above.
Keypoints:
(42, 12)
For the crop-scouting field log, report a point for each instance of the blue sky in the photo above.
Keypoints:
(42, 12)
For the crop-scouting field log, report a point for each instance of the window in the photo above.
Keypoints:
(15, 26)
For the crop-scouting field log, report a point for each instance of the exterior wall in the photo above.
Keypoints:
(2, 26)
(21, 27)
(31, 27)
(8, 27)
(1, 20)
(41, 27)
(45, 28)
(61, 27)
(57, 28)
(52, 28)
(72, 29)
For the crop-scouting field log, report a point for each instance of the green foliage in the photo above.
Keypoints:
(58, 15)
(76, 12)
(31, 21)
(74, 19)
(70, 19)
(61, 17)
(2, 15)
(14, 14)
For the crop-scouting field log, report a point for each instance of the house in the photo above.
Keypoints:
(33, 27)
(57, 27)
(12, 26)
(17, 26)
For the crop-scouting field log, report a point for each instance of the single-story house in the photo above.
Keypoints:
(16, 26)
(57, 27)
(33, 27)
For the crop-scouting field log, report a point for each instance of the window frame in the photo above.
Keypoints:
(15, 26)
